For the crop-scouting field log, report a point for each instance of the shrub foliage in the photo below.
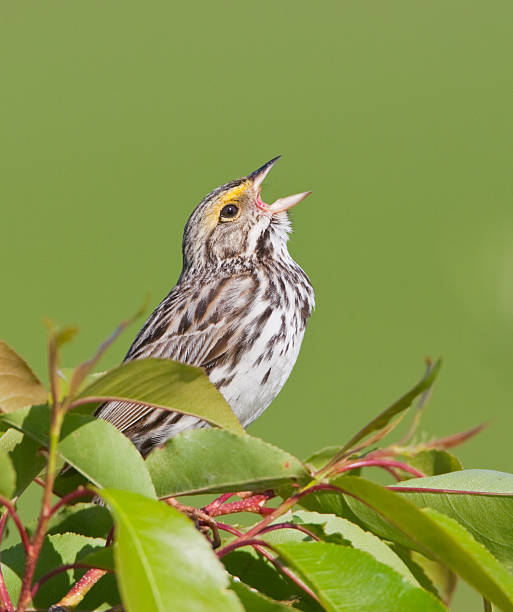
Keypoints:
(114, 533)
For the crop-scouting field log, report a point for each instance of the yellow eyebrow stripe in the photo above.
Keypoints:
(212, 215)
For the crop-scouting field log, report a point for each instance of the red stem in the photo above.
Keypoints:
(57, 415)
(5, 599)
(393, 473)
(277, 564)
(384, 463)
(219, 501)
(255, 503)
(79, 590)
(54, 572)
(39, 482)
(110, 537)
(291, 501)
(243, 542)
(12, 511)
(77, 493)
(291, 526)
(449, 491)
(229, 529)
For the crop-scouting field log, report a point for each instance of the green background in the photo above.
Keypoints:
(116, 118)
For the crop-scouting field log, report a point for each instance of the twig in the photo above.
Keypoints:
(5, 599)
(291, 526)
(59, 570)
(384, 463)
(255, 504)
(212, 506)
(239, 543)
(447, 491)
(79, 590)
(11, 510)
(393, 473)
(423, 400)
(57, 416)
(276, 562)
(81, 491)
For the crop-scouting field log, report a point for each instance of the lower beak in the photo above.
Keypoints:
(281, 204)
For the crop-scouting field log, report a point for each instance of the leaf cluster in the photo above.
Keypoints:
(114, 531)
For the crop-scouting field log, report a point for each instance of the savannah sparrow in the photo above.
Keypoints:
(239, 310)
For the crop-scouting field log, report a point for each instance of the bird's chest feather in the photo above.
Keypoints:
(270, 349)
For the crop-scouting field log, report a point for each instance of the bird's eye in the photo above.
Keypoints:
(229, 212)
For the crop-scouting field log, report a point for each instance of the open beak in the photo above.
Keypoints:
(281, 204)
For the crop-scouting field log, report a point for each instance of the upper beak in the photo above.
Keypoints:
(281, 204)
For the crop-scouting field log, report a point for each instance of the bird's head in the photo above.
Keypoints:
(234, 223)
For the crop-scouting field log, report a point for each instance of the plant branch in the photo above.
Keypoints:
(254, 503)
(214, 505)
(393, 473)
(383, 463)
(289, 525)
(59, 570)
(344, 454)
(11, 510)
(447, 491)
(5, 599)
(239, 543)
(275, 561)
(80, 589)
(81, 491)
(57, 417)
(423, 400)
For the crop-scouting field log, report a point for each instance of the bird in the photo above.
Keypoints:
(238, 310)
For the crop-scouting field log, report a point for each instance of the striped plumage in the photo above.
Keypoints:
(239, 310)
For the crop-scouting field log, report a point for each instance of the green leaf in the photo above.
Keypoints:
(396, 408)
(321, 457)
(485, 510)
(253, 601)
(162, 561)
(92, 446)
(213, 460)
(350, 534)
(432, 462)
(88, 519)
(102, 558)
(64, 334)
(167, 384)
(12, 582)
(23, 451)
(257, 572)
(7, 476)
(350, 580)
(392, 517)
(19, 386)
(441, 580)
(488, 563)
(57, 550)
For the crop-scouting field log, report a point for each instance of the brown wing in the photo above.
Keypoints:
(194, 329)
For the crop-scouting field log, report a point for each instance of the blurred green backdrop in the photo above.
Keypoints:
(117, 117)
